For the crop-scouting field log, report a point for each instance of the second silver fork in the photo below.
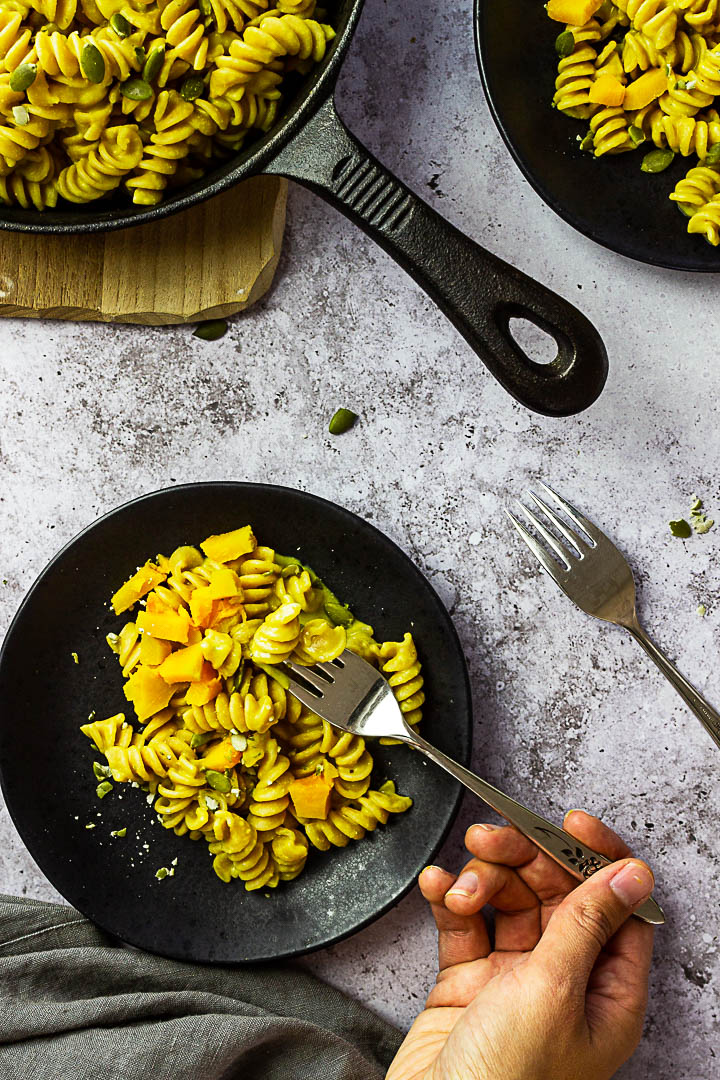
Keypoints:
(597, 578)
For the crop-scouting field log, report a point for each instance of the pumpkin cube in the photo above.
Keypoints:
(311, 796)
(153, 650)
(221, 756)
(574, 12)
(645, 89)
(607, 90)
(145, 579)
(168, 625)
(224, 547)
(184, 665)
(148, 692)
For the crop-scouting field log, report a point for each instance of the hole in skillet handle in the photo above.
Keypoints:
(538, 345)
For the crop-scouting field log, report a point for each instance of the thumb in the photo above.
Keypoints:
(589, 916)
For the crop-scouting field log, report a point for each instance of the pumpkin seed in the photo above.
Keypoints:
(140, 55)
(588, 142)
(120, 25)
(657, 161)
(192, 87)
(163, 872)
(338, 613)
(680, 528)
(23, 77)
(103, 789)
(637, 135)
(200, 738)
(342, 421)
(153, 64)
(205, 8)
(211, 330)
(565, 43)
(713, 155)
(92, 63)
(20, 115)
(102, 772)
(218, 781)
(291, 570)
(136, 90)
(119, 832)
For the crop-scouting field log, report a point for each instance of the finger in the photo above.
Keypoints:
(588, 917)
(462, 938)
(622, 972)
(505, 845)
(517, 920)
(593, 832)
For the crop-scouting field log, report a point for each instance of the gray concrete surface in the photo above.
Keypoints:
(568, 712)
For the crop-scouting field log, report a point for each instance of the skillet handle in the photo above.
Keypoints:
(478, 292)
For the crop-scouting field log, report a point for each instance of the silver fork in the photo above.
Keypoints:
(353, 696)
(597, 577)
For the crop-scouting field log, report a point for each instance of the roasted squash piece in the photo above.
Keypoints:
(184, 665)
(148, 692)
(645, 89)
(145, 579)
(311, 796)
(221, 756)
(224, 547)
(168, 625)
(575, 12)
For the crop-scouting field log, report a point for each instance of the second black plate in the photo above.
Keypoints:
(609, 199)
(45, 761)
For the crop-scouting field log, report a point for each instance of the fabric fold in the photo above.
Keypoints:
(76, 1005)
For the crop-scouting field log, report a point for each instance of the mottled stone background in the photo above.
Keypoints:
(568, 711)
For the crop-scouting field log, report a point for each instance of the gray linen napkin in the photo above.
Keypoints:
(75, 1005)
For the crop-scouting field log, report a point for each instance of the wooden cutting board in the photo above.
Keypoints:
(208, 262)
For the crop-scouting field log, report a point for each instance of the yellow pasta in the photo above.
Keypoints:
(646, 74)
(223, 752)
(191, 79)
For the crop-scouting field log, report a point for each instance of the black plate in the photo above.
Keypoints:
(609, 200)
(46, 769)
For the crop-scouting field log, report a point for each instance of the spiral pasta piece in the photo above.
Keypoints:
(576, 74)
(269, 798)
(277, 637)
(610, 130)
(403, 667)
(117, 153)
(697, 189)
(290, 851)
(167, 147)
(259, 46)
(706, 221)
(353, 820)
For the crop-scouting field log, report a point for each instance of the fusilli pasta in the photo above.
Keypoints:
(220, 748)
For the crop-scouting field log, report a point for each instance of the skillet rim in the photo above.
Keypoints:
(452, 810)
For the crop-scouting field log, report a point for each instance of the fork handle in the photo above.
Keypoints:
(578, 859)
(705, 713)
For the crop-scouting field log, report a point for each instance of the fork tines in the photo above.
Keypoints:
(577, 543)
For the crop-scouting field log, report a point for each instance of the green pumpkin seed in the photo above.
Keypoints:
(136, 90)
(657, 161)
(120, 25)
(680, 528)
(565, 43)
(140, 55)
(92, 63)
(103, 789)
(588, 143)
(342, 421)
(192, 87)
(119, 832)
(211, 330)
(23, 77)
(218, 781)
(713, 155)
(200, 738)
(102, 772)
(291, 570)
(153, 64)
(338, 613)
(637, 135)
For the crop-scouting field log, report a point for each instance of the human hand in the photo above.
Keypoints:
(563, 992)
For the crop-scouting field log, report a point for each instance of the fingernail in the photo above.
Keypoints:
(632, 884)
(466, 884)
(577, 810)
(487, 828)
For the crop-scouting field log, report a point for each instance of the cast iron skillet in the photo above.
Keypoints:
(46, 762)
(609, 200)
(477, 291)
